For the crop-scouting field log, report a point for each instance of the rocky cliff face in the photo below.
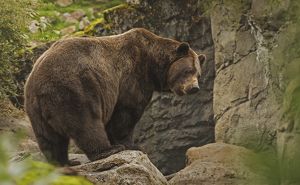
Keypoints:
(246, 106)
(257, 64)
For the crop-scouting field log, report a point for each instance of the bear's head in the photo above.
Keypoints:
(184, 72)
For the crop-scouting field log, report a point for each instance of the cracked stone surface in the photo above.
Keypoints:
(127, 167)
(245, 105)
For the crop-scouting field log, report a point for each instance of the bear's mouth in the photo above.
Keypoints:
(179, 91)
(183, 90)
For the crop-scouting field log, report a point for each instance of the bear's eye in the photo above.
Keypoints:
(188, 71)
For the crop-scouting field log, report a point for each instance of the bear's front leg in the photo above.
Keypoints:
(92, 139)
(121, 126)
(127, 141)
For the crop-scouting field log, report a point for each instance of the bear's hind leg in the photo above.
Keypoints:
(53, 145)
(93, 141)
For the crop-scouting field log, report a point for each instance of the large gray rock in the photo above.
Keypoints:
(127, 167)
(19, 128)
(68, 30)
(15, 125)
(220, 164)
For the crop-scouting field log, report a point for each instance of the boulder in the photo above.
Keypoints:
(67, 17)
(16, 125)
(64, 3)
(68, 30)
(34, 26)
(14, 121)
(218, 164)
(29, 145)
(73, 17)
(127, 167)
(19, 128)
(78, 14)
(83, 23)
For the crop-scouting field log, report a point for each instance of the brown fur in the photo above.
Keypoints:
(94, 90)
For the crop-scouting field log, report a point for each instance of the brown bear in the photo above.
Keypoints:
(94, 90)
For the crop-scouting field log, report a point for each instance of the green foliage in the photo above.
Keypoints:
(15, 15)
(43, 173)
(39, 172)
(29, 172)
(290, 138)
(53, 12)
(266, 165)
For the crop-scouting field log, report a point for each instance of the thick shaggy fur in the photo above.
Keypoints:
(94, 90)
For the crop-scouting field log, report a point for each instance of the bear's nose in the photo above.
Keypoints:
(195, 88)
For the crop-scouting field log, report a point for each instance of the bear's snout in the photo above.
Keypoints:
(192, 85)
(188, 86)
(193, 89)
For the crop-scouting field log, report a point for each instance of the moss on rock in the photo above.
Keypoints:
(93, 24)
(116, 8)
(107, 20)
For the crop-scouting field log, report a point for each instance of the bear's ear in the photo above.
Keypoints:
(183, 48)
(202, 59)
